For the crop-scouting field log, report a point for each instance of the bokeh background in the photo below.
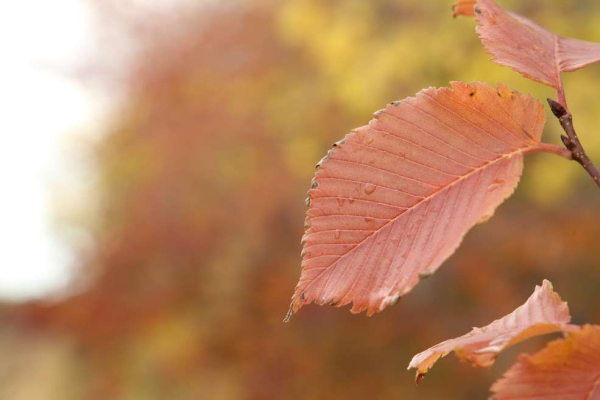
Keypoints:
(190, 199)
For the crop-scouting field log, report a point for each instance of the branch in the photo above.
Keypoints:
(571, 141)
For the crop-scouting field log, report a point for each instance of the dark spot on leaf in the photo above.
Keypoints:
(323, 159)
(303, 296)
(477, 11)
(339, 143)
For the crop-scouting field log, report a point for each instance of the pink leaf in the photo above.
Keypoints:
(567, 369)
(526, 47)
(544, 312)
(394, 199)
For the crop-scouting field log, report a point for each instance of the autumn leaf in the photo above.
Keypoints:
(463, 7)
(526, 47)
(567, 369)
(544, 312)
(394, 199)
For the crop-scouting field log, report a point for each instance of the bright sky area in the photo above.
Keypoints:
(47, 115)
(42, 108)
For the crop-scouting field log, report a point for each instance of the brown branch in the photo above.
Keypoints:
(571, 141)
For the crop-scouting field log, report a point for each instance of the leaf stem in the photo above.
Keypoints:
(550, 148)
(571, 141)
(560, 93)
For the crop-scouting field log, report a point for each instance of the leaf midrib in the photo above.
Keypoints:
(510, 155)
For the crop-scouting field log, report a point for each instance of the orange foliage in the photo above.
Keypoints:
(544, 312)
(394, 199)
(567, 369)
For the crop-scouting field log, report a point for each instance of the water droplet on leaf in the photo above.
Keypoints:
(496, 183)
(370, 188)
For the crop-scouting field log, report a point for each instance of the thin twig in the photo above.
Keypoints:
(571, 141)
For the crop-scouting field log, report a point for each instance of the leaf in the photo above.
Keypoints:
(521, 44)
(544, 312)
(566, 369)
(394, 199)
(463, 7)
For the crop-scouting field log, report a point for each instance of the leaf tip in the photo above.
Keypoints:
(547, 285)
(419, 377)
(289, 315)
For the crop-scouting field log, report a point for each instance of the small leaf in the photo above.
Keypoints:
(566, 369)
(394, 199)
(544, 312)
(521, 44)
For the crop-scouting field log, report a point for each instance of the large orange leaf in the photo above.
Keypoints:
(525, 46)
(544, 312)
(567, 369)
(394, 199)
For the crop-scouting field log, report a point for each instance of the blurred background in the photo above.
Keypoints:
(155, 160)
